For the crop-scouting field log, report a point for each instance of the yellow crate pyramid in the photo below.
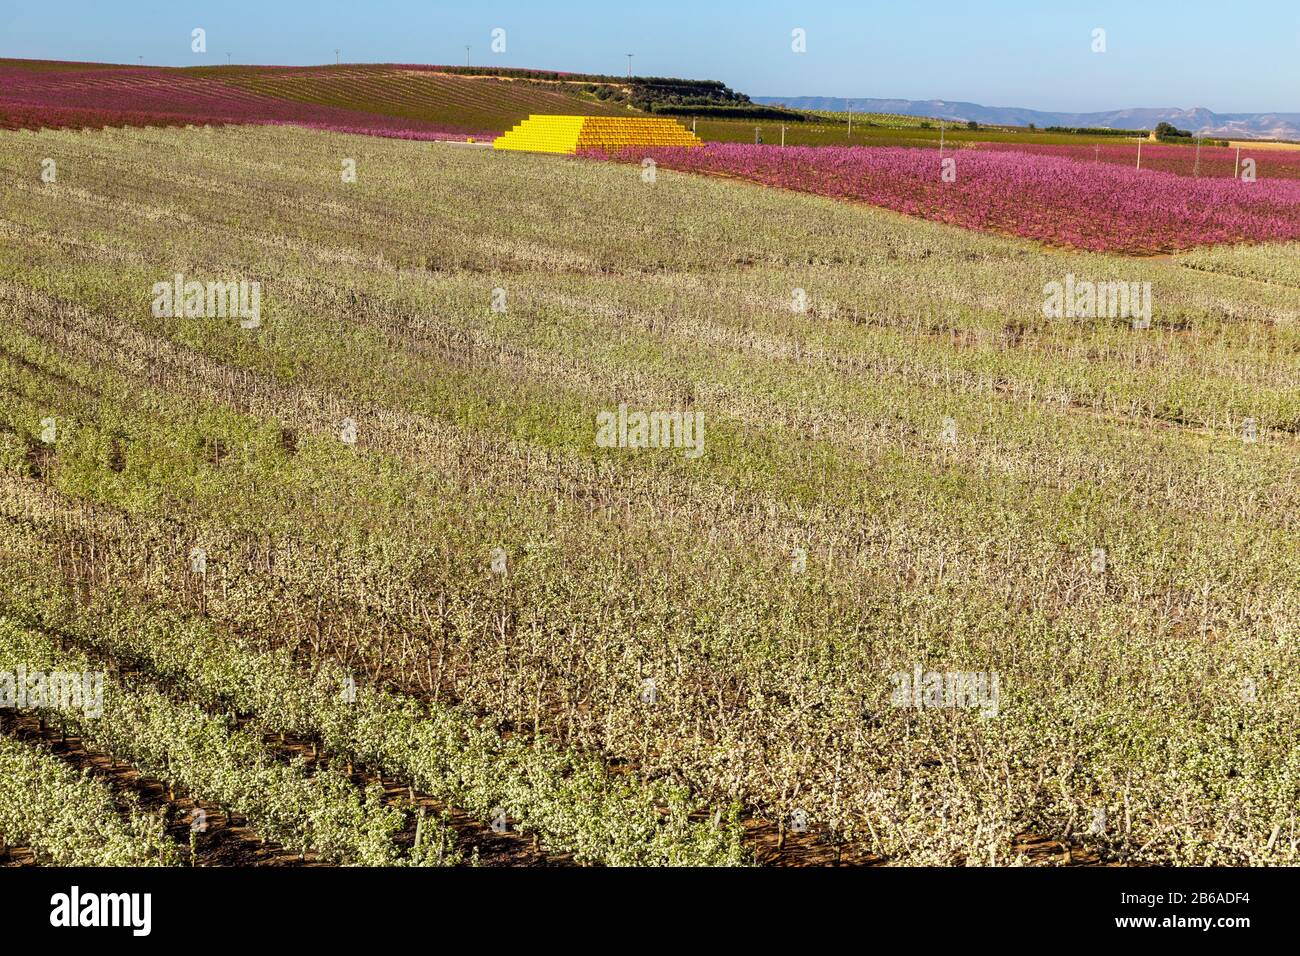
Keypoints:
(567, 134)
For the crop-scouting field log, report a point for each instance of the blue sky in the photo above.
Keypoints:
(1224, 56)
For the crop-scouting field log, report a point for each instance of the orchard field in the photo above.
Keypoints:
(366, 589)
(887, 129)
(405, 102)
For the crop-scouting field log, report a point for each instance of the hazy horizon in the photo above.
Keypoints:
(1161, 53)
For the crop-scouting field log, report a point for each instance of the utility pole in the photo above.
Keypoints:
(629, 66)
(467, 54)
(227, 59)
(337, 51)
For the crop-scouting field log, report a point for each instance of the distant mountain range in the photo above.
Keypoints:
(1198, 120)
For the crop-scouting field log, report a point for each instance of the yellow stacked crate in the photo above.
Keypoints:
(543, 134)
(568, 134)
(612, 134)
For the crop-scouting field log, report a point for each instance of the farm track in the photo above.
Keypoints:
(1245, 278)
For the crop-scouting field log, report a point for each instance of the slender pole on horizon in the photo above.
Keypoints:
(336, 56)
(467, 54)
(629, 66)
(227, 59)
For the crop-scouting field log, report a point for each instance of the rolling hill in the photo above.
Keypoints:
(1198, 120)
(414, 102)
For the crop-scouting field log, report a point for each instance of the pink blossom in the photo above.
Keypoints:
(1056, 200)
(1181, 159)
